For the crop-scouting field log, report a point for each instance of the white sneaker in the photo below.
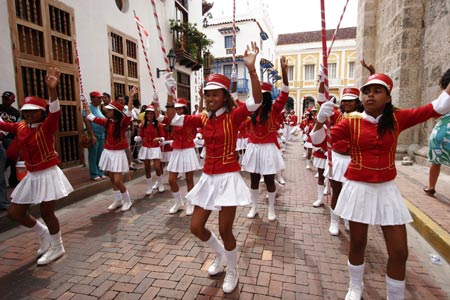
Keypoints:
(354, 292)
(281, 180)
(318, 203)
(126, 205)
(155, 186)
(52, 254)
(217, 265)
(149, 191)
(271, 214)
(346, 225)
(161, 188)
(45, 243)
(115, 204)
(334, 228)
(231, 280)
(317, 175)
(308, 167)
(189, 208)
(261, 180)
(252, 213)
(175, 208)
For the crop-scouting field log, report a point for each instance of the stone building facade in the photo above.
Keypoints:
(410, 41)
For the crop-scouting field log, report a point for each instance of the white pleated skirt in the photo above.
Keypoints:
(372, 203)
(212, 192)
(264, 159)
(42, 186)
(114, 161)
(241, 144)
(183, 161)
(340, 165)
(320, 163)
(149, 153)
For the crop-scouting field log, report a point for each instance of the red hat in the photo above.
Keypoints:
(181, 102)
(95, 94)
(217, 81)
(115, 105)
(266, 87)
(381, 79)
(350, 94)
(33, 103)
(150, 108)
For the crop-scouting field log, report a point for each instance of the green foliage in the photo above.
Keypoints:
(193, 41)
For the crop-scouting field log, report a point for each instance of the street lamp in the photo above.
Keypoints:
(172, 57)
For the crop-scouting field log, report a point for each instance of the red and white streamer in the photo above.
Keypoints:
(77, 59)
(161, 39)
(234, 36)
(140, 27)
(337, 28)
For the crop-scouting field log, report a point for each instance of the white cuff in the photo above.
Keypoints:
(162, 139)
(442, 104)
(251, 105)
(54, 106)
(285, 88)
(160, 118)
(128, 113)
(318, 136)
(90, 117)
(178, 120)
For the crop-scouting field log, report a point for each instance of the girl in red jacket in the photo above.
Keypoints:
(151, 134)
(114, 159)
(44, 182)
(370, 195)
(221, 187)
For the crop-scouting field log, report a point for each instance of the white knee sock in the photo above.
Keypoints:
(254, 196)
(125, 197)
(231, 258)
(177, 197)
(149, 182)
(356, 274)
(395, 289)
(39, 228)
(117, 196)
(215, 244)
(272, 200)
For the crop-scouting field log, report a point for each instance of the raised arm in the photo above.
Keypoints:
(284, 68)
(370, 67)
(249, 60)
(171, 85)
(200, 93)
(52, 81)
(134, 90)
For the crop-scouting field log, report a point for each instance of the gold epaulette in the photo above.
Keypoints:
(353, 115)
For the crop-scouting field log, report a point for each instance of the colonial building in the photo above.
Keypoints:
(303, 51)
(252, 24)
(37, 34)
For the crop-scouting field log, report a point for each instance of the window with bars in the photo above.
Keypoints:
(351, 70)
(124, 60)
(310, 72)
(227, 69)
(228, 41)
(332, 70)
(43, 36)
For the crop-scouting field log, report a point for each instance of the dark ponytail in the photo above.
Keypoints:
(387, 122)
(266, 109)
(445, 79)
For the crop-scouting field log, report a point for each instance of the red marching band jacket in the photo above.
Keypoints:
(149, 133)
(111, 143)
(183, 137)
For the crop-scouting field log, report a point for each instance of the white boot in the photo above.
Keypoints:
(232, 277)
(334, 223)
(253, 211)
(155, 186)
(395, 289)
(42, 231)
(117, 201)
(271, 214)
(160, 184)
(149, 187)
(319, 200)
(189, 208)
(178, 203)
(55, 251)
(280, 179)
(356, 285)
(326, 191)
(126, 201)
(220, 260)
(308, 164)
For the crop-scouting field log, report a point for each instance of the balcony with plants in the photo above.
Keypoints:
(190, 44)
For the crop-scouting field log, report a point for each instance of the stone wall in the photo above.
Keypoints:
(410, 41)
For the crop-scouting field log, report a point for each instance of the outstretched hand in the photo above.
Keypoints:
(250, 55)
(52, 78)
(134, 90)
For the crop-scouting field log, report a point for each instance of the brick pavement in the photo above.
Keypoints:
(148, 254)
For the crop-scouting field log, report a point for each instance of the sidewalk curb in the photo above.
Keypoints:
(430, 231)
(78, 194)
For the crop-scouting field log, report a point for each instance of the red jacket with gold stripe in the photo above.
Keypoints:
(220, 135)
(111, 143)
(149, 133)
(373, 156)
(267, 132)
(36, 142)
(183, 137)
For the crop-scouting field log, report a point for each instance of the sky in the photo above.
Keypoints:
(289, 16)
